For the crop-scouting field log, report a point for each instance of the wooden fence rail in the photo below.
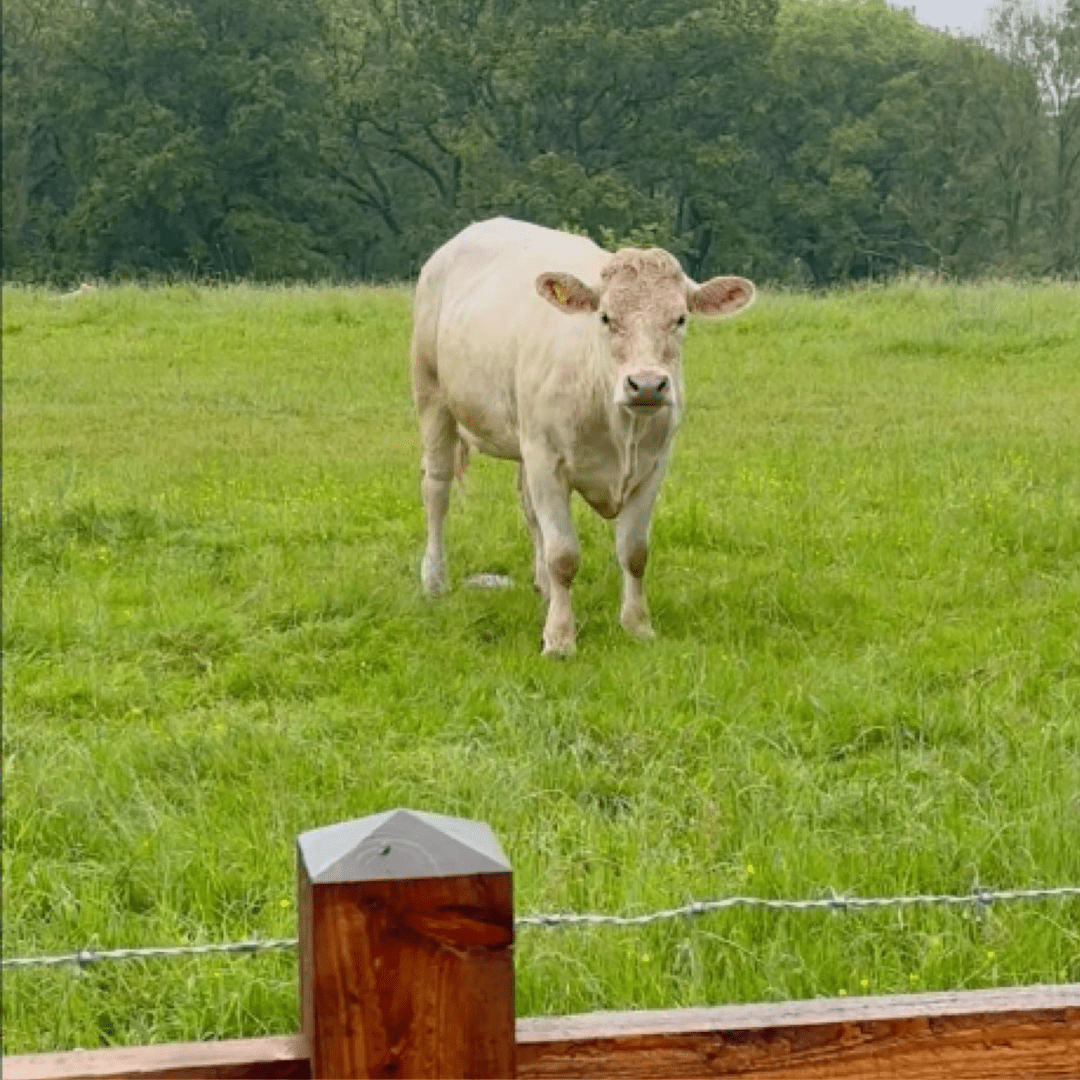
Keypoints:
(406, 970)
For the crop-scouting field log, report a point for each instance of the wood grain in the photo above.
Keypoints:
(980, 1035)
(1028, 1033)
(409, 978)
(282, 1056)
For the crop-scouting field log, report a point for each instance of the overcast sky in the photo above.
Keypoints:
(963, 15)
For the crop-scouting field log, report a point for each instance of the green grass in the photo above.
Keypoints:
(865, 578)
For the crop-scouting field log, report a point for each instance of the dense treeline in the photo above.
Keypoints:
(301, 139)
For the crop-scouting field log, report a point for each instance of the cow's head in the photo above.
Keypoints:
(642, 303)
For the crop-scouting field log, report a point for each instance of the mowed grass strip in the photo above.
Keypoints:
(865, 577)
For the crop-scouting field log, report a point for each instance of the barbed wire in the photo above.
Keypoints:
(92, 956)
(983, 897)
(834, 903)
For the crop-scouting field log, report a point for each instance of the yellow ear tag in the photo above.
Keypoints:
(559, 291)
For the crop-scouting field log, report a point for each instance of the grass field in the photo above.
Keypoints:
(865, 578)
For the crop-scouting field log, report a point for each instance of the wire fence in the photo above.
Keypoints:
(978, 898)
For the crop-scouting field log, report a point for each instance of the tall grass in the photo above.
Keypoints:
(865, 577)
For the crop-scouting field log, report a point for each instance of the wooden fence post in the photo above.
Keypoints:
(406, 948)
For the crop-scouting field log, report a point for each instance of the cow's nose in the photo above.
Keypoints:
(646, 388)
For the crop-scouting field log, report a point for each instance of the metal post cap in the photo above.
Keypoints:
(400, 845)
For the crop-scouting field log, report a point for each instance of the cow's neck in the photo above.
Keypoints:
(628, 438)
(641, 439)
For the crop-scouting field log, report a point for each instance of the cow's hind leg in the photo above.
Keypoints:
(550, 500)
(439, 440)
(540, 574)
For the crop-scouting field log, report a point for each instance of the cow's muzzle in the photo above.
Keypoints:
(645, 390)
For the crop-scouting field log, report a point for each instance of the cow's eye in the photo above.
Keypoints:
(605, 318)
(680, 321)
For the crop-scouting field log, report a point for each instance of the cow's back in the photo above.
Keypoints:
(478, 317)
(491, 259)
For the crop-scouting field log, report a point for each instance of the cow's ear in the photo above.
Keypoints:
(720, 296)
(567, 293)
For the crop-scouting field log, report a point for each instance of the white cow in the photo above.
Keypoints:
(538, 346)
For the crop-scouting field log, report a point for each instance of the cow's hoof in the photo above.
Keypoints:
(559, 649)
(638, 626)
(432, 584)
(559, 640)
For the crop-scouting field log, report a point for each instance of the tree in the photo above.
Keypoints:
(1046, 47)
(311, 138)
(970, 138)
(597, 115)
(177, 137)
(37, 185)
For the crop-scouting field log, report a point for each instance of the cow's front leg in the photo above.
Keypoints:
(632, 549)
(549, 494)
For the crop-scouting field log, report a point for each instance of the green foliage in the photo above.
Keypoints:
(802, 142)
(1047, 47)
(580, 114)
(180, 135)
(865, 580)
